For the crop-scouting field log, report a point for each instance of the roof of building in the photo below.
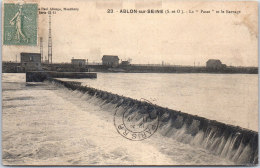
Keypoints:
(110, 57)
(213, 60)
(31, 54)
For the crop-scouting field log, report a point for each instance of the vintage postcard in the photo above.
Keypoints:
(129, 83)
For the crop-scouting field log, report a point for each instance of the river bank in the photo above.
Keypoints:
(12, 67)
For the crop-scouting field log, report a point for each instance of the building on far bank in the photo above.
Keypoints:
(125, 63)
(79, 63)
(30, 61)
(215, 64)
(110, 60)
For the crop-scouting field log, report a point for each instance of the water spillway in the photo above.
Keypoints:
(235, 143)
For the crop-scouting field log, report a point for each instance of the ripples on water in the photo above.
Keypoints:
(47, 124)
(228, 98)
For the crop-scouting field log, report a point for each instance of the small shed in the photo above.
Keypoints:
(80, 63)
(125, 63)
(30, 61)
(110, 60)
(214, 64)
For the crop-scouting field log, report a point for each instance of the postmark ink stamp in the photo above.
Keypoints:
(137, 125)
(20, 24)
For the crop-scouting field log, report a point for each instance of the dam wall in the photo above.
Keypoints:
(234, 143)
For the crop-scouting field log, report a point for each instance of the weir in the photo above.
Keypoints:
(232, 142)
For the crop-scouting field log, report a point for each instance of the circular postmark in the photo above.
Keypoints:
(136, 125)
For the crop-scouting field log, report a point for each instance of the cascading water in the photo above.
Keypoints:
(234, 143)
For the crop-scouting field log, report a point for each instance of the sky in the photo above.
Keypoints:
(175, 39)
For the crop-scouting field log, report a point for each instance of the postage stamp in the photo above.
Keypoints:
(136, 126)
(20, 24)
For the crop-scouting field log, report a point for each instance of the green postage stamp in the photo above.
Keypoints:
(20, 24)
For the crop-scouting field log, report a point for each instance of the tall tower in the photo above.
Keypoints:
(50, 42)
(41, 49)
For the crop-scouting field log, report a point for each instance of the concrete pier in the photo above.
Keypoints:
(40, 76)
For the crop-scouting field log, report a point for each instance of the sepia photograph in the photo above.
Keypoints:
(129, 83)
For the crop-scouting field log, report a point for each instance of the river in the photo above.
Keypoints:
(46, 124)
(228, 98)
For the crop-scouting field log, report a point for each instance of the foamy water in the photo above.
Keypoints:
(228, 98)
(48, 124)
